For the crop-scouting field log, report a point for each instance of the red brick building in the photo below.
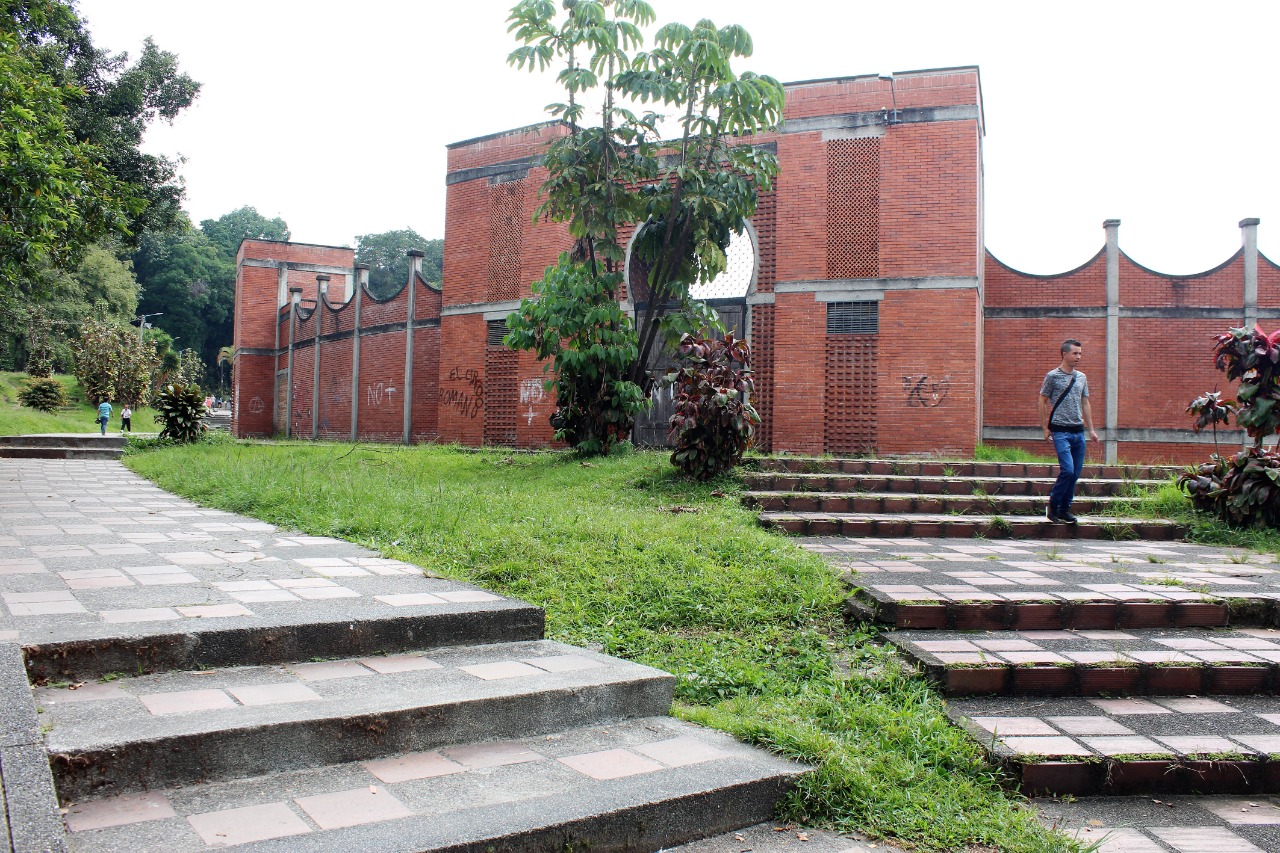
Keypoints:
(878, 320)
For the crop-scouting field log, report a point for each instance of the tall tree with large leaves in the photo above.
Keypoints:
(387, 256)
(686, 195)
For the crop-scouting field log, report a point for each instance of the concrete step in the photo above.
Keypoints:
(1156, 745)
(637, 785)
(895, 525)
(901, 504)
(143, 732)
(935, 468)
(62, 446)
(1139, 662)
(919, 485)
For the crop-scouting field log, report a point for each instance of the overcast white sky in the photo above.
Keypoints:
(335, 116)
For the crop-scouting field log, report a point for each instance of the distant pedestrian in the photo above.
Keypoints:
(104, 415)
(126, 416)
(1065, 415)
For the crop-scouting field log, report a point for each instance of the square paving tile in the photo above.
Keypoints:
(1263, 744)
(1132, 745)
(273, 694)
(1123, 840)
(328, 670)
(464, 596)
(1194, 705)
(166, 580)
(99, 583)
(264, 595)
(325, 593)
(492, 754)
(564, 663)
(1128, 706)
(1015, 725)
(184, 701)
(1201, 745)
(214, 611)
(1256, 812)
(88, 692)
(353, 808)
(141, 614)
(409, 598)
(502, 669)
(611, 764)
(119, 811)
(1203, 839)
(1044, 746)
(340, 571)
(415, 765)
(1089, 726)
(946, 646)
(399, 663)
(250, 823)
(681, 751)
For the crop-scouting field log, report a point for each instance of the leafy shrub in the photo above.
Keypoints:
(181, 409)
(45, 394)
(714, 421)
(1243, 490)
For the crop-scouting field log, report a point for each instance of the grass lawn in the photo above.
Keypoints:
(629, 559)
(79, 416)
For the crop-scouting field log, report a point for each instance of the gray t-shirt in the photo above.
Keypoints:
(1055, 382)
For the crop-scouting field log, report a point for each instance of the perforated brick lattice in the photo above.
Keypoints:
(853, 208)
(501, 371)
(506, 233)
(849, 414)
(762, 367)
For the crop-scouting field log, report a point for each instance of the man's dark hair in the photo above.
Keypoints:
(1068, 344)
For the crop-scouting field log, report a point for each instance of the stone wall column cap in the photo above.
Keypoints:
(1253, 220)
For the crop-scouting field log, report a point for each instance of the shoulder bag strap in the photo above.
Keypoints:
(1054, 411)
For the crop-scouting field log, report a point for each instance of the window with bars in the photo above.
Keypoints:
(853, 318)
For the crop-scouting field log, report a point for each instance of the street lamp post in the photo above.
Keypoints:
(143, 324)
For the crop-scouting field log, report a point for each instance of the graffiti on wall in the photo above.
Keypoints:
(379, 393)
(466, 394)
(531, 394)
(256, 405)
(924, 392)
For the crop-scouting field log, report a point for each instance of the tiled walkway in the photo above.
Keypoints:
(1155, 739)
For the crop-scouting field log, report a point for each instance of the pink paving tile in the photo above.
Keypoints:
(118, 811)
(1110, 840)
(1203, 839)
(318, 562)
(967, 657)
(1161, 657)
(610, 764)
(8, 635)
(564, 663)
(1199, 745)
(1089, 726)
(1258, 812)
(468, 595)
(304, 583)
(264, 595)
(409, 599)
(99, 583)
(325, 593)
(81, 574)
(1225, 656)
(1128, 706)
(1270, 718)
(19, 567)
(1094, 657)
(399, 663)
(328, 670)
(1015, 725)
(1193, 705)
(1047, 635)
(250, 823)
(166, 580)
(1044, 746)
(184, 701)
(214, 611)
(353, 808)
(946, 646)
(194, 558)
(54, 595)
(414, 765)
(88, 692)
(501, 669)
(273, 694)
(496, 754)
(244, 586)
(142, 614)
(1129, 745)
(1033, 657)
(1008, 646)
(681, 751)
(118, 549)
(1248, 643)
(340, 571)
(1264, 744)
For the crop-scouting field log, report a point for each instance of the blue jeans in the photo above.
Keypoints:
(1070, 449)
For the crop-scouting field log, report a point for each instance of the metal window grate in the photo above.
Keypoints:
(494, 333)
(853, 318)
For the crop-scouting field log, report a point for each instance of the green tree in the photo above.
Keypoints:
(387, 256)
(118, 101)
(244, 223)
(686, 194)
(114, 363)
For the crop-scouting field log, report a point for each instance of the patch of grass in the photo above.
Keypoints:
(1000, 453)
(749, 624)
(79, 416)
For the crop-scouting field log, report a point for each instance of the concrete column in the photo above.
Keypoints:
(1249, 238)
(295, 296)
(282, 299)
(322, 292)
(362, 281)
(415, 267)
(1112, 227)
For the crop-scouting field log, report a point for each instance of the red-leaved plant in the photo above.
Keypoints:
(1242, 489)
(714, 422)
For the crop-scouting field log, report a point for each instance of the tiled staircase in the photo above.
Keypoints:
(877, 497)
